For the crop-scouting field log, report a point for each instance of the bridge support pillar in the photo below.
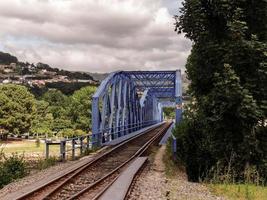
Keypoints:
(178, 96)
(178, 110)
(95, 123)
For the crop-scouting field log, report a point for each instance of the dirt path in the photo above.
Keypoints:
(154, 184)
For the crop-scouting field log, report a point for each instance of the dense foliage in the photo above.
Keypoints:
(169, 112)
(54, 113)
(225, 125)
(17, 108)
(65, 88)
(80, 108)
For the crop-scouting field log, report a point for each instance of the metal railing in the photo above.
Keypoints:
(69, 146)
(110, 134)
(82, 143)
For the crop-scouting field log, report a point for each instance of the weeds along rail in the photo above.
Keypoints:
(96, 174)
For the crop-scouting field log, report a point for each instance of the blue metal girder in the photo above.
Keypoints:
(129, 100)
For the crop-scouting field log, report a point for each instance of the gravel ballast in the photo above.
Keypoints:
(153, 184)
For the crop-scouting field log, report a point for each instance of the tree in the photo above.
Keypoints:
(17, 108)
(71, 133)
(58, 102)
(169, 112)
(61, 124)
(227, 68)
(69, 114)
(43, 121)
(59, 105)
(55, 97)
(80, 108)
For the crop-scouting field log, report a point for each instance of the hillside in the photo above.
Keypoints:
(9, 65)
(40, 77)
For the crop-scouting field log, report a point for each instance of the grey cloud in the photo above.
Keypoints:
(93, 35)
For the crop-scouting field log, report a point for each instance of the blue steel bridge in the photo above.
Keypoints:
(127, 101)
(126, 105)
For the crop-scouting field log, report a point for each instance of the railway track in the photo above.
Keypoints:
(92, 179)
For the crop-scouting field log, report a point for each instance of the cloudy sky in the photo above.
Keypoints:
(94, 35)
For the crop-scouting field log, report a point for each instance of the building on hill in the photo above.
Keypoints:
(6, 81)
(8, 68)
(84, 81)
(13, 66)
(46, 72)
(3, 68)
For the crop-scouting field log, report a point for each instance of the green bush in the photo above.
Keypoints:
(79, 132)
(71, 133)
(12, 168)
(5, 178)
(15, 166)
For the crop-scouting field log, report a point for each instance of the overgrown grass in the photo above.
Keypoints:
(172, 165)
(251, 188)
(86, 152)
(45, 163)
(239, 191)
(28, 147)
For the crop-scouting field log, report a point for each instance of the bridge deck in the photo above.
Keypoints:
(126, 137)
(119, 188)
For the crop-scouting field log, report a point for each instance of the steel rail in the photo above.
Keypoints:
(66, 176)
(81, 170)
(138, 153)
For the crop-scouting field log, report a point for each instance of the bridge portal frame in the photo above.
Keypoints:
(127, 101)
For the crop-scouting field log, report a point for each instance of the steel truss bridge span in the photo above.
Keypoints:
(127, 101)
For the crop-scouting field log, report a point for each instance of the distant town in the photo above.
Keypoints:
(37, 75)
(40, 77)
